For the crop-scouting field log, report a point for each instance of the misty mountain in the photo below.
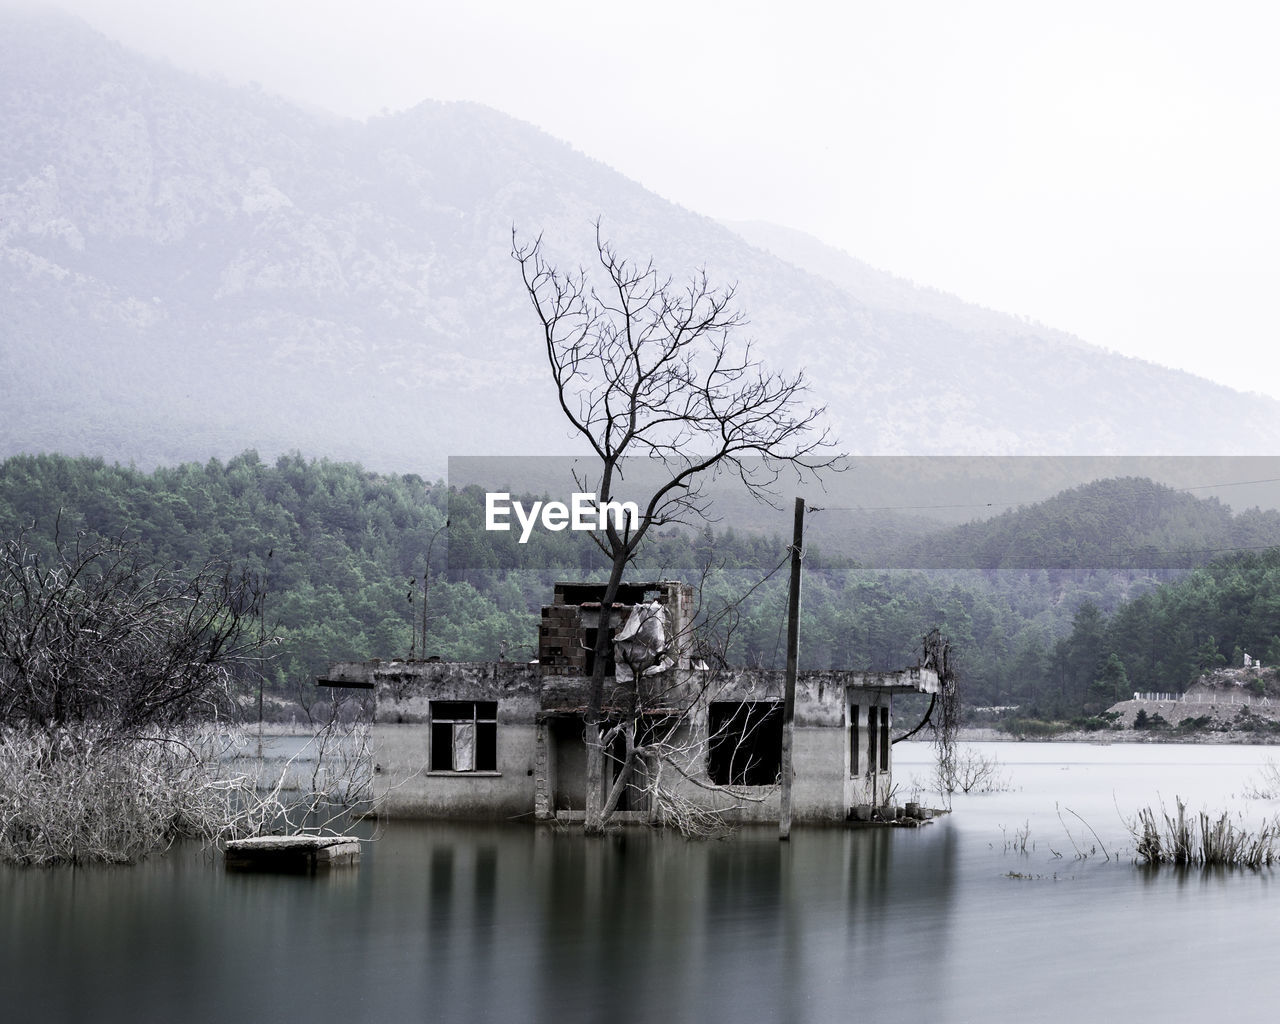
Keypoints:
(188, 269)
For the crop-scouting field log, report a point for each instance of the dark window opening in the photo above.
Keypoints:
(593, 593)
(745, 747)
(884, 739)
(873, 734)
(589, 639)
(464, 735)
(854, 735)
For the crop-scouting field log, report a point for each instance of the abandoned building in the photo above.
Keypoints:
(504, 740)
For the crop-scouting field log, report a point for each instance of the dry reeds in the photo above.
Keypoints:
(85, 796)
(1201, 841)
(88, 797)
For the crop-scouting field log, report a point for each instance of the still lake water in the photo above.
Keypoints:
(511, 923)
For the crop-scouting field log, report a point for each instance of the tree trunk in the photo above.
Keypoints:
(624, 773)
(596, 817)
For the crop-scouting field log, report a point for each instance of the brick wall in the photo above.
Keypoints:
(560, 650)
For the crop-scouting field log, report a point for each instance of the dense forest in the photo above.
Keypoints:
(1162, 639)
(1060, 607)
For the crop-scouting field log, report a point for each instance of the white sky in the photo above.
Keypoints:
(1110, 169)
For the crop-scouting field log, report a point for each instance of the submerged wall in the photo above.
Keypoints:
(533, 760)
(405, 784)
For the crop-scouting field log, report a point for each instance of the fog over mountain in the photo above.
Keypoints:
(188, 270)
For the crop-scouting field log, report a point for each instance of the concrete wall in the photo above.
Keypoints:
(864, 782)
(405, 785)
(824, 785)
(541, 761)
(406, 789)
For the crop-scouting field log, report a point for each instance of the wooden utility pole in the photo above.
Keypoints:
(426, 584)
(793, 658)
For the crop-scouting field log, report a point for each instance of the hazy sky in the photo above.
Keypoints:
(1110, 169)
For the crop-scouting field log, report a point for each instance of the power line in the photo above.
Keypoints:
(1012, 502)
(1237, 483)
(894, 508)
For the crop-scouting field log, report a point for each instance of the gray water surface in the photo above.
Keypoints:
(446, 922)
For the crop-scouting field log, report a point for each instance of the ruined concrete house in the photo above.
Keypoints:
(504, 740)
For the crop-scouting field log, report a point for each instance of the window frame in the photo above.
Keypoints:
(878, 742)
(442, 736)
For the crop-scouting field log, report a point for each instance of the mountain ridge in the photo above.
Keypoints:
(193, 270)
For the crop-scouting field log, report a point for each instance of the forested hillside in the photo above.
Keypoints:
(1035, 601)
(1161, 640)
(335, 546)
(1128, 524)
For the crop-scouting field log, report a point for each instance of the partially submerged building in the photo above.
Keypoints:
(505, 740)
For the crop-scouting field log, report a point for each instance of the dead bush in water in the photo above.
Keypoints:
(90, 796)
(969, 771)
(1202, 841)
(1267, 787)
(1018, 842)
(94, 640)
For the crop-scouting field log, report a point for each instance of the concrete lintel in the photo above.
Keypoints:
(907, 680)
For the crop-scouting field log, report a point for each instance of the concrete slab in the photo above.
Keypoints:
(298, 854)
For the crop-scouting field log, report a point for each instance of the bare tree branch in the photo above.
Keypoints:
(99, 637)
(648, 369)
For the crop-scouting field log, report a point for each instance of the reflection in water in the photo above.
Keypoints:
(515, 923)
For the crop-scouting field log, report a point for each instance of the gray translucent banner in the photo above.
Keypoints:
(887, 512)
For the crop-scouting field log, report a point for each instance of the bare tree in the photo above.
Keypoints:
(648, 369)
(96, 636)
(118, 687)
(952, 769)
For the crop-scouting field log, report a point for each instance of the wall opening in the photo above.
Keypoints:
(464, 736)
(855, 735)
(873, 737)
(745, 742)
(877, 739)
(884, 739)
(589, 642)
